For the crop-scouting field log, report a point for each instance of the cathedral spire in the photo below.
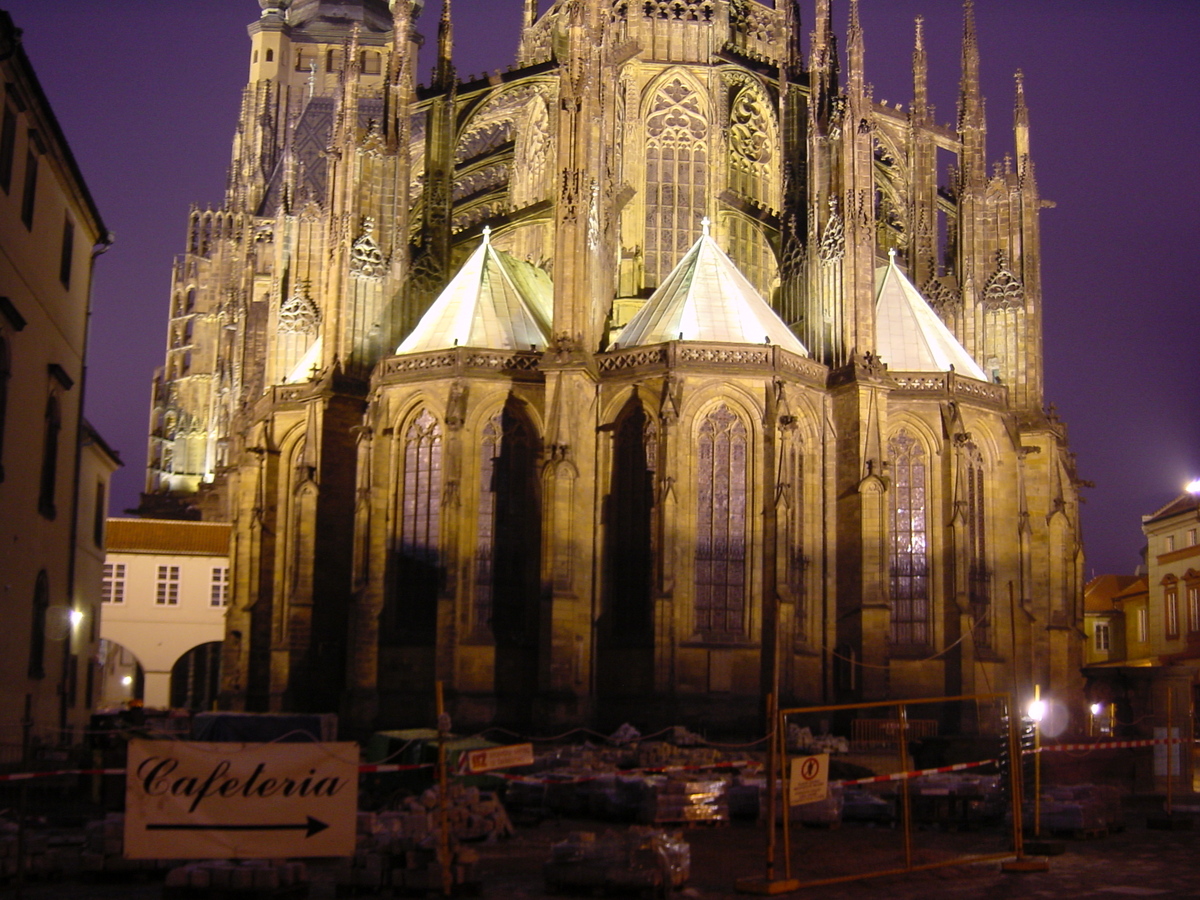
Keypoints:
(854, 53)
(971, 124)
(444, 73)
(1021, 126)
(920, 104)
(531, 10)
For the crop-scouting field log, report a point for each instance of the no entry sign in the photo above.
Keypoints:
(239, 801)
(809, 779)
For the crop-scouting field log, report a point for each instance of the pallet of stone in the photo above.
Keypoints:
(683, 800)
(637, 859)
(237, 880)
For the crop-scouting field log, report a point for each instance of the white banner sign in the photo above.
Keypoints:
(497, 758)
(239, 801)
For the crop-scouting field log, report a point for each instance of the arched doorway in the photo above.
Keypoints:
(122, 678)
(196, 677)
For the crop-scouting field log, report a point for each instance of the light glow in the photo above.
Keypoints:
(1097, 708)
(1193, 486)
(127, 680)
(76, 617)
(1037, 710)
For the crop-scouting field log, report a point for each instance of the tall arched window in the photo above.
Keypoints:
(909, 551)
(418, 558)
(628, 511)
(721, 502)
(37, 631)
(5, 370)
(49, 478)
(979, 576)
(676, 176)
(507, 531)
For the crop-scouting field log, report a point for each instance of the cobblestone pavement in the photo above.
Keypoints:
(1138, 862)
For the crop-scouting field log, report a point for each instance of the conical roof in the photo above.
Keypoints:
(909, 334)
(495, 301)
(706, 298)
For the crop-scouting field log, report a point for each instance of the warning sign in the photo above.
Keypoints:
(239, 801)
(809, 779)
(498, 758)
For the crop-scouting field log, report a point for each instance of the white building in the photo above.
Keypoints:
(165, 593)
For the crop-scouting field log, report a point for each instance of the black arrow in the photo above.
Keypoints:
(311, 827)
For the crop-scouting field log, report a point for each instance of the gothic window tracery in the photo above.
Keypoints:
(677, 132)
(909, 563)
(722, 442)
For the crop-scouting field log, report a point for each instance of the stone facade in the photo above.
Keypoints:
(565, 528)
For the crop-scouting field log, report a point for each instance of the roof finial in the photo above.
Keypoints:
(704, 224)
(487, 234)
(892, 255)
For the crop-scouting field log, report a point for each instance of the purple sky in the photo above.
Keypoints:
(147, 93)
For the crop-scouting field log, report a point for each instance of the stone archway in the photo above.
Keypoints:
(196, 677)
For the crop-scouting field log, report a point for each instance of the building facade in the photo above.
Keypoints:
(660, 369)
(165, 592)
(53, 468)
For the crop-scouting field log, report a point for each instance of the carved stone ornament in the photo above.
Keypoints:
(833, 239)
(299, 314)
(748, 128)
(1003, 289)
(366, 259)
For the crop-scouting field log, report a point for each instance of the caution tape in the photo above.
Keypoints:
(1112, 745)
(375, 768)
(902, 776)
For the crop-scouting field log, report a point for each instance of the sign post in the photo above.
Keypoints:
(188, 800)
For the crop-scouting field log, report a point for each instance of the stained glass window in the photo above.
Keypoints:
(909, 564)
(721, 502)
(676, 177)
(418, 561)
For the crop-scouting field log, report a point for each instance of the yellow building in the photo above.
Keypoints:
(664, 367)
(165, 592)
(54, 470)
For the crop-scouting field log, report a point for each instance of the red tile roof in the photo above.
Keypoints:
(168, 536)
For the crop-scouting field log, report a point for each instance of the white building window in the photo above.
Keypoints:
(1143, 624)
(1170, 543)
(166, 591)
(219, 595)
(1191, 537)
(1193, 607)
(1102, 635)
(112, 588)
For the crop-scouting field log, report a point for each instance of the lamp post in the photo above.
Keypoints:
(1037, 710)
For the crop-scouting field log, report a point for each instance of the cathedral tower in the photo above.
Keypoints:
(659, 371)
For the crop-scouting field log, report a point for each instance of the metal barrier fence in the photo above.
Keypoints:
(894, 770)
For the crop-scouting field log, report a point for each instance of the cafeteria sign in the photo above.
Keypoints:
(189, 800)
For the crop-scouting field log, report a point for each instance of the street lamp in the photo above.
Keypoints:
(1037, 711)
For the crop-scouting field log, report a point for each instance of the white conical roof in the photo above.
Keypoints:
(909, 334)
(495, 302)
(706, 298)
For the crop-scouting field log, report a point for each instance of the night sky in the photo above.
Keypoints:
(147, 92)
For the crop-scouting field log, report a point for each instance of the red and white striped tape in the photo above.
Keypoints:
(374, 768)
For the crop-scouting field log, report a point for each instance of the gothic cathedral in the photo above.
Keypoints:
(664, 367)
